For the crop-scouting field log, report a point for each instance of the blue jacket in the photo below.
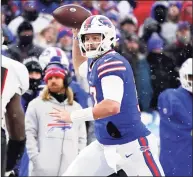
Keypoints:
(175, 107)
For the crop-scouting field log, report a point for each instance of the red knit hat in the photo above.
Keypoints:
(54, 70)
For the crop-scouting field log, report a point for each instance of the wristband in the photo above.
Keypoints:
(82, 115)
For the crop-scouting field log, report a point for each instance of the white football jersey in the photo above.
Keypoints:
(14, 79)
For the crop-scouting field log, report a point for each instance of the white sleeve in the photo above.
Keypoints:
(113, 88)
(22, 75)
(83, 69)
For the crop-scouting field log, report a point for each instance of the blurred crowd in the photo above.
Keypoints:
(154, 36)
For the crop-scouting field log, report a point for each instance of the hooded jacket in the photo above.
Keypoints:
(52, 146)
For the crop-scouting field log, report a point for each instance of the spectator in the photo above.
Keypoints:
(186, 13)
(159, 11)
(158, 14)
(8, 36)
(24, 46)
(130, 50)
(182, 48)
(79, 94)
(169, 28)
(141, 70)
(31, 14)
(163, 74)
(128, 25)
(64, 41)
(52, 152)
(150, 26)
(35, 80)
(47, 37)
(175, 107)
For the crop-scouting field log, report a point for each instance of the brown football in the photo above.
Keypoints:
(71, 15)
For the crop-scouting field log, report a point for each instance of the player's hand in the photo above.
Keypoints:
(61, 115)
(75, 31)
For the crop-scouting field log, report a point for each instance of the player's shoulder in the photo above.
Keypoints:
(111, 57)
(167, 101)
(18, 70)
(111, 63)
(168, 94)
(12, 64)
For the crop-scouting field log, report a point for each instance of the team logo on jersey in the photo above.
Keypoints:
(58, 125)
(144, 148)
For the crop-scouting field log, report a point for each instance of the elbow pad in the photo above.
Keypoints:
(15, 150)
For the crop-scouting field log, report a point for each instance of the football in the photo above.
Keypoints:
(71, 15)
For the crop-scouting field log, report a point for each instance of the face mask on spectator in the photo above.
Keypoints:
(184, 39)
(25, 40)
(34, 83)
(160, 14)
(30, 15)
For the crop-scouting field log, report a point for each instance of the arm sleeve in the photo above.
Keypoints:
(111, 85)
(31, 123)
(22, 77)
(83, 69)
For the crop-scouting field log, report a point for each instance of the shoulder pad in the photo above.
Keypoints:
(20, 73)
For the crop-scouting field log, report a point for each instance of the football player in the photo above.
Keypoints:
(123, 141)
(175, 107)
(14, 82)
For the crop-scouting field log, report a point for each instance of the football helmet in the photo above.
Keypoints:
(186, 76)
(51, 52)
(97, 24)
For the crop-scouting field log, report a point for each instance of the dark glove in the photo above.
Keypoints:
(15, 150)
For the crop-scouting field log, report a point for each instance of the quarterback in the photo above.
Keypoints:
(123, 142)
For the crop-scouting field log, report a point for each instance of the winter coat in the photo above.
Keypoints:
(51, 145)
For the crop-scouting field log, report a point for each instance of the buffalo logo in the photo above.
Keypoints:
(58, 125)
(105, 22)
(144, 148)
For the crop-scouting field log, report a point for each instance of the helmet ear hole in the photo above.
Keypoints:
(83, 38)
(83, 50)
(112, 45)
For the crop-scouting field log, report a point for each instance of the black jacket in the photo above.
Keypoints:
(18, 53)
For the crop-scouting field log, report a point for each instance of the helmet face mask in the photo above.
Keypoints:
(97, 24)
(186, 75)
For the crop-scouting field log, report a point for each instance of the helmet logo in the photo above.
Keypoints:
(88, 23)
(105, 22)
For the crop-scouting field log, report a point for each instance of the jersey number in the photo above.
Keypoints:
(4, 72)
(93, 95)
